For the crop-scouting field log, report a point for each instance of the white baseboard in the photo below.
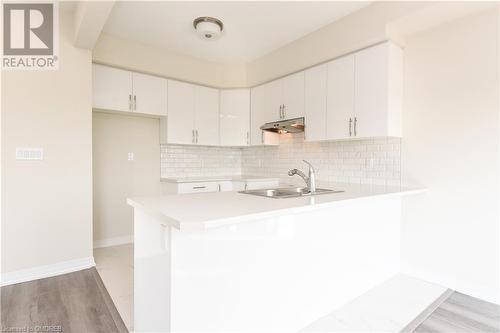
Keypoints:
(113, 241)
(46, 271)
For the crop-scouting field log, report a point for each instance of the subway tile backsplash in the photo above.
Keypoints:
(372, 161)
(199, 161)
(367, 161)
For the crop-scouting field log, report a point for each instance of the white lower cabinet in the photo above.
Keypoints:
(198, 187)
(217, 186)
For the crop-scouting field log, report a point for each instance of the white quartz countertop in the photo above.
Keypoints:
(248, 178)
(208, 210)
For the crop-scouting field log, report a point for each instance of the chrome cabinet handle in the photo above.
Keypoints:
(281, 111)
(355, 126)
(262, 136)
(284, 112)
(135, 103)
(219, 187)
(198, 187)
(248, 138)
(192, 136)
(130, 102)
(196, 136)
(350, 126)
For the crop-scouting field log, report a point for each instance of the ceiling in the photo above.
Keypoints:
(251, 29)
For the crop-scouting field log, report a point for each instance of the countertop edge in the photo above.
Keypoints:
(215, 223)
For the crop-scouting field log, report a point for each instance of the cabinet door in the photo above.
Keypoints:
(150, 94)
(340, 98)
(234, 116)
(315, 103)
(293, 96)
(275, 91)
(371, 100)
(111, 88)
(260, 101)
(260, 113)
(206, 115)
(180, 120)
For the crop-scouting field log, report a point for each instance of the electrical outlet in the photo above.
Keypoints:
(130, 156)
(29, 154)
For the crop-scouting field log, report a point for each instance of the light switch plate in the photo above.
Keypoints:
(130, 156)
(29, 154)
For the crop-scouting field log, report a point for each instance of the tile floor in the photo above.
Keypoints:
(389, 307)
(116, 267)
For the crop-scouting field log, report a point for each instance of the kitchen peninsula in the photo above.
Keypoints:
(229, 261)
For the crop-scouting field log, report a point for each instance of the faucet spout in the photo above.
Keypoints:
(310, 179)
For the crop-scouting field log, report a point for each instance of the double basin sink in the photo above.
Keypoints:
(288, 192)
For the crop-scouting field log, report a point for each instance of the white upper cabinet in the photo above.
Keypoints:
(261, 112)
(111, 88)
(378, 87)
(120, 90)
(315, 103)
(180, 121)
(206, 116)
(150, 94)
(340, 110)
(193, 116)
(286, 97)
(364, 93)
(293, 96)
(234, 116)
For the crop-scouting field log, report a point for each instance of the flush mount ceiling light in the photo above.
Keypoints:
(208, 28)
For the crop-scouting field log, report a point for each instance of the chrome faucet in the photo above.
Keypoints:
(310, 179)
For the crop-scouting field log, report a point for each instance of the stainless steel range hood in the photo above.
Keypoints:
(294, 125)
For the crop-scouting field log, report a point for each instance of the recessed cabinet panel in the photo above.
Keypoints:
(340, 109)
(150, 94)
(293, 96)
(315, 102)
(111, 88)
(261, 113)
(372, 91)
(206, 116)
(234, 116)
(180, 120)
(275, 107)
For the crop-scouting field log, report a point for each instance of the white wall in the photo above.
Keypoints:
(111, 50)
(47, 205)
(353, 32)
(116, 178)
(451, 146)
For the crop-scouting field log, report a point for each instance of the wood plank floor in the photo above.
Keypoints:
(462, 313)
(78, 302)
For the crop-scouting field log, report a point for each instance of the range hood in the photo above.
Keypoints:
(294, 125)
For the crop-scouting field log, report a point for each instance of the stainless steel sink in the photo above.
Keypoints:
(288, 192)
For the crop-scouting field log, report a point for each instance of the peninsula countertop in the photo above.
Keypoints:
(208, 210)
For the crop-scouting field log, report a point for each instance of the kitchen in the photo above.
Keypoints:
(236, 181)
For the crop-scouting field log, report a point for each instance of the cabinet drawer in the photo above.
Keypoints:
(198, 187)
